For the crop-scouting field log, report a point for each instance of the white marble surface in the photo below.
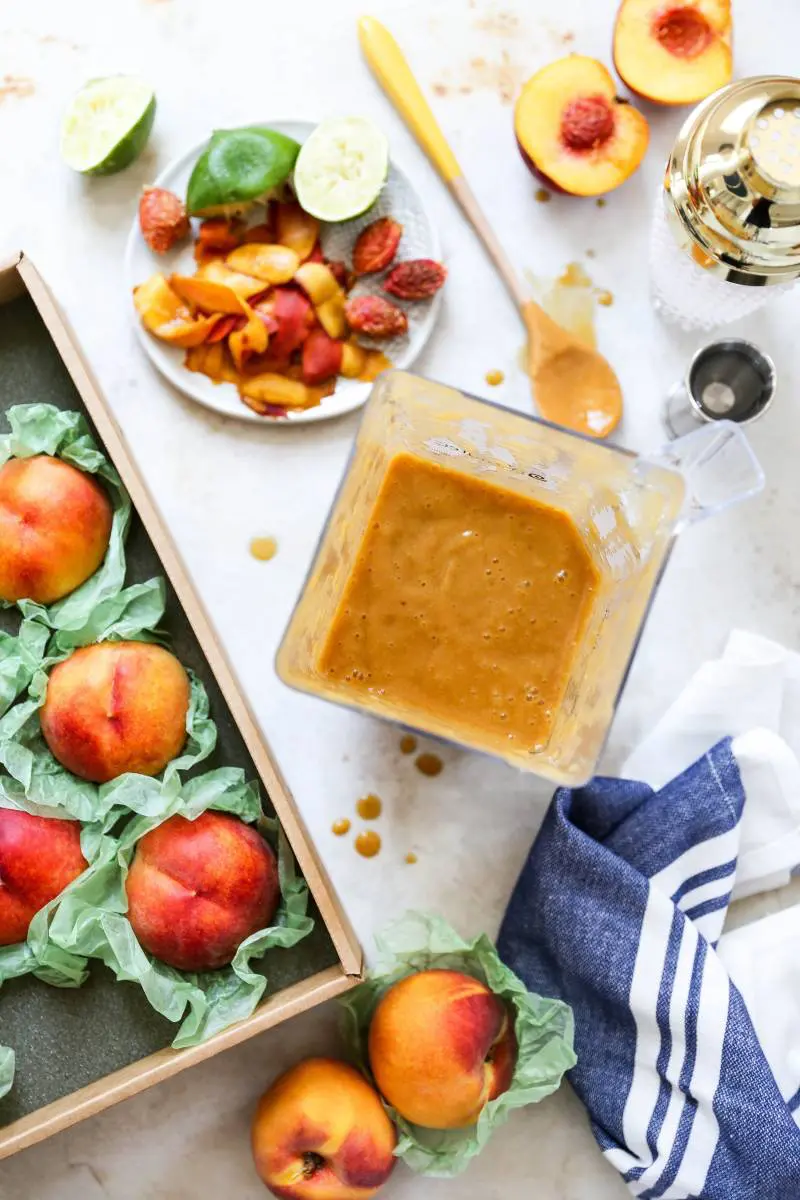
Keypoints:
(219, 483)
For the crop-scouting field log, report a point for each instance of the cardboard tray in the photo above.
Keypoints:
(80, 1051)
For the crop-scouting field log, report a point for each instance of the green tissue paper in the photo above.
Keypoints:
(544, 1030)
(91, 919)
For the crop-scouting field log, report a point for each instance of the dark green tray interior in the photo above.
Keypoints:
(67, 1038)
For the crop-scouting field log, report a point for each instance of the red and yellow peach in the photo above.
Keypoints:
(197, 889)
(116, 707)
(39, 856)
(441, 1045)
(55, 524)
(321, 1133)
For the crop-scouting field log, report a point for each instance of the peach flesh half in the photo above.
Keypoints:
(574, 132)
(676, 53)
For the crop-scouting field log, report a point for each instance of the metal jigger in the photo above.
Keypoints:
(728, 380)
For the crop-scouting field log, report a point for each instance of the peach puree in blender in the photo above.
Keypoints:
(466, 603)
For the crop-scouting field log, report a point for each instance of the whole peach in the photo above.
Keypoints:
(441, 1045)
(196, 889)
(55, 523)
(39, 856)
(116, 707)
(321, 1132)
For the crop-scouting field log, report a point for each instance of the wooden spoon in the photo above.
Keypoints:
(572, 383)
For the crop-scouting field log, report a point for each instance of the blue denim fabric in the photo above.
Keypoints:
(617, 912)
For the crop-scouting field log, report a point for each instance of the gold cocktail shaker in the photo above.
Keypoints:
(727, 230)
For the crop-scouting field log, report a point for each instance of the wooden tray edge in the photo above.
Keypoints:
(137, 1077)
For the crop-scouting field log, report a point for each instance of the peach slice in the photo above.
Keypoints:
(296, 229)
(216, 271)
(250, 340)
(674, 53)
(213, 361)
(277, 389)
(575, 132)
(318, 281)
(331, 315)
(273, 264)
(163, 314)
(354, 359)
(204, 294)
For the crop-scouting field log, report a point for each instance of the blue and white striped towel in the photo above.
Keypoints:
(618, 911)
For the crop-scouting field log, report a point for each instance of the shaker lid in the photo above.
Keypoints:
(733, 181)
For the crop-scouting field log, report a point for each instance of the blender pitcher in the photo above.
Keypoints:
(627, 508)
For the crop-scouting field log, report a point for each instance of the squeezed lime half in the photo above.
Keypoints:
(107, 125)
(341, 168)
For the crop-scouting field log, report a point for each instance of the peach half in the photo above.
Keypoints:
(575, 132)
(116, 707)
(321, 1133)
(674, 53)
(55, 523)
(441, 1045)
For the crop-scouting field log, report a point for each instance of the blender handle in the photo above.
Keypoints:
(718, 465)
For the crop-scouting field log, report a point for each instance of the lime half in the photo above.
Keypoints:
(341, 168)
(107, 125)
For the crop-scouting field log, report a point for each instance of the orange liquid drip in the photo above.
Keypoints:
(368, 844)
(408, 744)
(411, 857)
(263, 548)
(494, 378)
(340, 828)
(429, 764)
(369, 807)
(543, 196)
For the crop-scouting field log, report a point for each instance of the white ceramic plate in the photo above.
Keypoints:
(398, 199)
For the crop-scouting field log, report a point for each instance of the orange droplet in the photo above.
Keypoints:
(340, 828)
(494, 378)
(369, 807)
(429, 764)
(543, 196)
(408, 744)
(263, 548)
(601, 203)
(605, 298)
(368, 843)
(411, 857)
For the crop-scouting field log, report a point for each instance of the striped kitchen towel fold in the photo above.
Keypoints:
(618, 911)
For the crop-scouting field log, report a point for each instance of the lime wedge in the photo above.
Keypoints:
(341, 169)
(107, 125)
